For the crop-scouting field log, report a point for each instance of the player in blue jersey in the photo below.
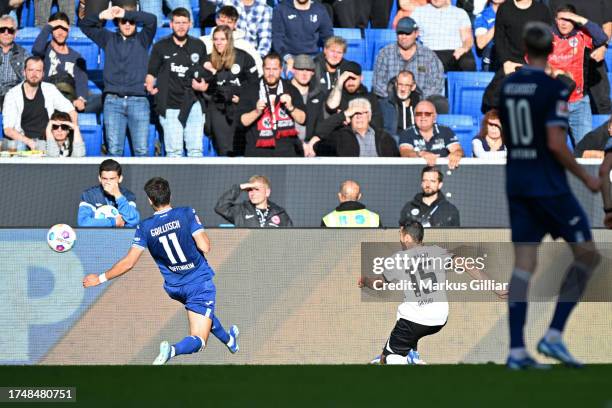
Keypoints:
(176, 240)
(534, 114)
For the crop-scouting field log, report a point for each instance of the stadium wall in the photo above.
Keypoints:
(43, 192)
(293, 294)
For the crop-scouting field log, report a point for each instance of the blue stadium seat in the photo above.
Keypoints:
(127, 148)
(610, 81)
(367, 79)
(208, 150)
(1, 127)
(26, 37)
(88, 119)
(609, 59)
(464, 127)
(27, 14)
(376, 39)
(93, 88)
(465, 91)
(166, 31)
(599, 120)
(92, 136)
(356, 47)
(88, 50)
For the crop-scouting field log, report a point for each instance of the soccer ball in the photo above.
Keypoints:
(106, 211)
(61, 237)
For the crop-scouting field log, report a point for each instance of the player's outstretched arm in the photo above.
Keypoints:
(556, 142)
(202, 241)
(124, 265)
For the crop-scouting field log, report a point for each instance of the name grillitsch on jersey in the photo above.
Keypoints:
(165, 228)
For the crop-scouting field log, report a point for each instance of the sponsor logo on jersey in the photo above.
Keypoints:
(275, 219)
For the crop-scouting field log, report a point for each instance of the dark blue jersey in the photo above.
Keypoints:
(168, 236)
(608, 147)
(530, 102)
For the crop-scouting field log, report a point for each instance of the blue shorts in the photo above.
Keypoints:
(531, 218)
(197, 297)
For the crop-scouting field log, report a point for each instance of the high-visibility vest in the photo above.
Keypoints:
(352, 219)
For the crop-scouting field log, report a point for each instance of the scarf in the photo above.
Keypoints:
(275, 122)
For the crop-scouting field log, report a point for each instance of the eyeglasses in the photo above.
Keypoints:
(126, 21)
(60, 27)
(494, 124)
(360, 113)
(5, 30)
(63, 127)
(426, 114)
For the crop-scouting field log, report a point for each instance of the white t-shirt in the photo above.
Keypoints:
(423, 303)
(439, 28)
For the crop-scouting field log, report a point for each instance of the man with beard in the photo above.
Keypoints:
(398, 107)
(430, 207)
(125, 67)
(64, 66)
(29, 105)
(175, 77)
(329, 65)
(299, 27)
(269, 112)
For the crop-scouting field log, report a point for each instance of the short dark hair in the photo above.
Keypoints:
(158, 191)
(59, 115)
(34, 58)
(433, 169)
(566, 7)
(59, 16)
(229, 12)
(538, 39)
(273, 56)
(110, 165)
(180, 12)
(414, 229)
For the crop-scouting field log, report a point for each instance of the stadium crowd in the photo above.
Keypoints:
(276, 79)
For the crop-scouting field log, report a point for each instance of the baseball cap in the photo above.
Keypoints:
(303, 61)
(406, 25)
(353, 67)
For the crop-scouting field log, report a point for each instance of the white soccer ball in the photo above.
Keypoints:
(106, 211)
(61, 237)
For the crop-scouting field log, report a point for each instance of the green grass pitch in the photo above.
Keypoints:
(320, 386)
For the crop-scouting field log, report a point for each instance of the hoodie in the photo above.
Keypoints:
(441, 213)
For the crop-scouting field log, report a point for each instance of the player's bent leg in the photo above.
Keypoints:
(230, 339)
(200, 324)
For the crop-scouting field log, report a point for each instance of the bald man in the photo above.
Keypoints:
(351, 213)
(429, 140)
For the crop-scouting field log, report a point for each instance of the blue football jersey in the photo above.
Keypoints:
(530, 102)
(168, 236)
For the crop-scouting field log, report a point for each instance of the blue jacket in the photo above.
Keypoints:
(126, 60)
(95, 197)
(300, 31)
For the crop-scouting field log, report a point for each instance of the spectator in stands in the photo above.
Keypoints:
(6, 6)
(177, 80)
(156, 7)
(599, 12)
(430, 207)
(28, 106)
(447, 31)
(330, 63)
(125, 67)
(232, 71)
(108, 192)
(510, 21)
(429, 140)
(299, 27)
(592, 145)
(269, 112)
(256, 212)
(349, 87)
(63, 137)
(350, 213)
(313, 95)
(360, 13)
(405, 9)
(484, 30)
(42, 9)
(64, 66)
(360, 139)
(398, 107)
(408, 55)
(228, 15)
(489, 143)
(574, 36)
(255, 20)
(13, 56)
(95, 7)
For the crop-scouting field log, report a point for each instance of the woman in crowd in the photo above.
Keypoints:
(489, 143)
(63, 137)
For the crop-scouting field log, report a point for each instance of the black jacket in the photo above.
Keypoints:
(315, 107)
(362, 92)
(322, 77)
(441, 213)
(243, 215)
(596, 139)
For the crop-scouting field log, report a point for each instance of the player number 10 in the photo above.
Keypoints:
(519, 115)
(177, 248)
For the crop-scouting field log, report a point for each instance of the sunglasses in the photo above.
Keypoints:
(127, 21)
(494, 124)
(9, 30)
(426, 114)
(63, 127)
(60, 27)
